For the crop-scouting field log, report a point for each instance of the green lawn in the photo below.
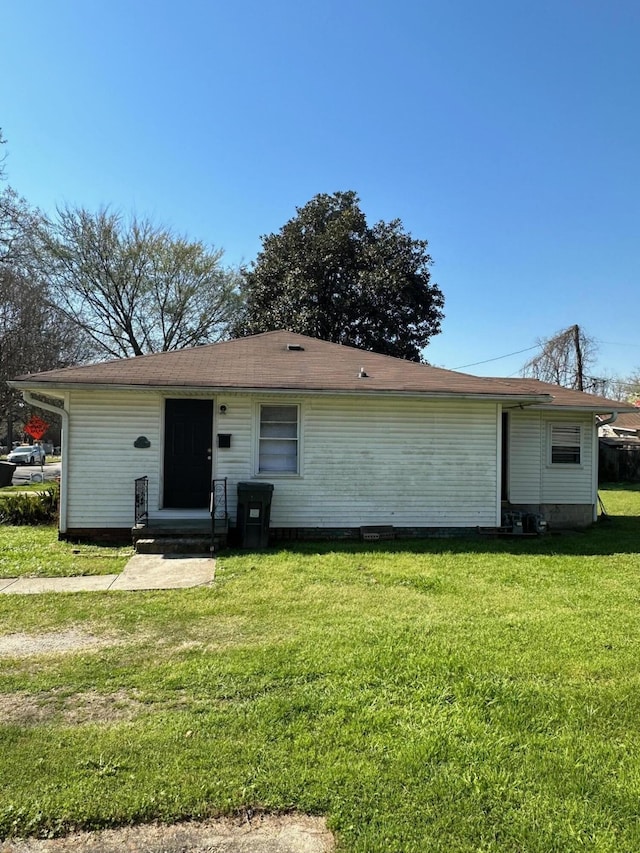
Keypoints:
(442, 695)
(27, 486)
(35, 551)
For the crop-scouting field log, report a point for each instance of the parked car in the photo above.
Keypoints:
(27, 454)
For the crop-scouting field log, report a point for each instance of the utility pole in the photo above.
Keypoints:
(579, 369)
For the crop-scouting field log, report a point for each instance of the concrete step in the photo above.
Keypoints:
(174, 545)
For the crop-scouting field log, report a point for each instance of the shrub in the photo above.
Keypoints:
(36, 508)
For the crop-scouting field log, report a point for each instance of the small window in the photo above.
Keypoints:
(278, 443)
(565, 445)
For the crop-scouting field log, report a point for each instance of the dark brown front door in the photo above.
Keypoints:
(188, 426)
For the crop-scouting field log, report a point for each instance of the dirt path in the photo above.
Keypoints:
(264, 834)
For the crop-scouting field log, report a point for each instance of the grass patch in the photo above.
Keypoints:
(443, 695)
(27, 486)
(620, 499)
(34, 551)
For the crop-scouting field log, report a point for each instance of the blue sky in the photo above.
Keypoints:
(505, 132)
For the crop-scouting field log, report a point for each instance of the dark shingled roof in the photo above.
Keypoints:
(628, 421)
(568, 398)
(284, 361)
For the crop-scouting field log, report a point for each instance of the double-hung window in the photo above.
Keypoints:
(278, 449)
(566, 444)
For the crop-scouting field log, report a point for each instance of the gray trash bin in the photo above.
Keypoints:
(254, 513)
(6, 473)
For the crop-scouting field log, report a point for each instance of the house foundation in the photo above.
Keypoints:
(558, 516)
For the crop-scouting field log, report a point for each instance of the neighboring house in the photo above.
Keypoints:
(620, 449)
(348, 439)
(625, 426)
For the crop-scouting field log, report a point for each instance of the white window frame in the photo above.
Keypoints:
(259, 438)
(565, 441)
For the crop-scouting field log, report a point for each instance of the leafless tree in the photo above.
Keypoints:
(564, 359)
(33, 335)
(629, 388)
(133, 287)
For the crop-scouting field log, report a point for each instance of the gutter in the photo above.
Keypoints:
(64, 413)
(206, 391)
(612, 417)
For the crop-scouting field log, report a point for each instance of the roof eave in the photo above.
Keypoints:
(51, 387)
(594, 409)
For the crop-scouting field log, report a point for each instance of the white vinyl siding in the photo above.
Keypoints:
(102, 461)
(361, 461)
(233, 462)
(525, 457)
(394, 461)
(533, 477)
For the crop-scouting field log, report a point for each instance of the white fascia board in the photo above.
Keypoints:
(56, 389)
(596, 410)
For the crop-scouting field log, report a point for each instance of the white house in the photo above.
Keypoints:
(347, 438)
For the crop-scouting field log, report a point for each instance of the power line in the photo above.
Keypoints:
(528, 349)
(497, 358)
(616, 344)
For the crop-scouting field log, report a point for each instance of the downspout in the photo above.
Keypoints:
(612, 417)
(596, 455)
(64, 414)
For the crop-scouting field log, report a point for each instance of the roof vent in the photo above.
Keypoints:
(363, 374)
(295, 347)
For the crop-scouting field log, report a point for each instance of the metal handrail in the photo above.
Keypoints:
(141, 501)
(219, 514)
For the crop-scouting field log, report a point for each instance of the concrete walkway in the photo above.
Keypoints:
(143, 571)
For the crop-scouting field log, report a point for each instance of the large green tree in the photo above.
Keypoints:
(330, 275)
(135, 287)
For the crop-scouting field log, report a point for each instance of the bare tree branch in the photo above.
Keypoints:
(135, 287)
(563, 359)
